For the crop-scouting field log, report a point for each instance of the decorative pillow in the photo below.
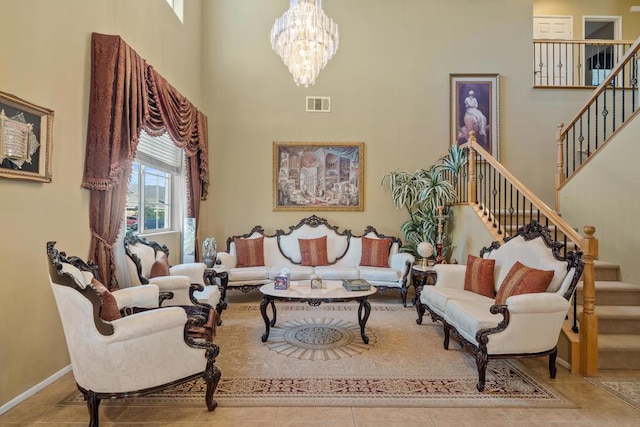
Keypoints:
(314, 251)
(160, 267)
(523, 280)
(375, 252)
(478, 277)
(250, 252)
(109, 310)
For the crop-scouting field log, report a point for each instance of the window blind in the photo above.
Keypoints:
(159, 151)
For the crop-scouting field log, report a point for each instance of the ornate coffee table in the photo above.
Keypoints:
(301, 291)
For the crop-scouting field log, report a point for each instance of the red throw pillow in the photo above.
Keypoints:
(375, 252)
(314, 251)
(249, 252)
(523, 280)
(160, 267)
(109, 310)
(478, 277)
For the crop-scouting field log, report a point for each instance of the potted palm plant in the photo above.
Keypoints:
(421, 193)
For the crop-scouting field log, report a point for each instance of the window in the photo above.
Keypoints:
(178, 8)
(153, 196)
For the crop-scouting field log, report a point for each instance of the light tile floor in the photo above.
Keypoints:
(596, 408)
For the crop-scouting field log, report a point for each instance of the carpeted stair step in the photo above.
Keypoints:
(606, 271)
(618, 351)
(618, 319)
(610, 293)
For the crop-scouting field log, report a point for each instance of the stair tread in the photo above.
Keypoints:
(613, 285)
(605, 264)
(615, 342)
(618, 312)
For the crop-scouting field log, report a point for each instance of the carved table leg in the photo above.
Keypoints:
(362, 319)
(421, 309)
(274, 312)
(266, 300)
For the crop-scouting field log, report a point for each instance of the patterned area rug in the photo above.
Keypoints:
(403, 365)
(625, 389)
(318, 339)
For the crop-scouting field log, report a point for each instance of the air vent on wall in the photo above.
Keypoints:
(319, 104)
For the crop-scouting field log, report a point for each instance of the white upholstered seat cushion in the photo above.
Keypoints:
(298, 272)
(382, 274)
(437, 297)
(248, 273)
(333, 272)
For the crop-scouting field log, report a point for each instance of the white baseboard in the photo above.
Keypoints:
(564, 364)
(33, 390)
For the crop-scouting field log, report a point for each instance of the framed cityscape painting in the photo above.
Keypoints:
(474, 107)
(318, 176)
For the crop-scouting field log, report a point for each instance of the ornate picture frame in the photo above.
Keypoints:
(25, 139)
(318, 176)
(474, 106)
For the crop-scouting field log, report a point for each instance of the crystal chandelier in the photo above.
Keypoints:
(306, 39)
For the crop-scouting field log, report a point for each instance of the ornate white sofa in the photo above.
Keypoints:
(519, 325)
(344, 257)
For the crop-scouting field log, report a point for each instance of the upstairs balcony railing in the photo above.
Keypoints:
(575, 63)
(610, 106)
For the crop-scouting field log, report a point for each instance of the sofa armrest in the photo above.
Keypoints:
(399, 262)
(450, 275)
(146, 296)
(194, 270)
(533, 324)
(543, 302)
(146, 323)
(179, 285)
(227, 260)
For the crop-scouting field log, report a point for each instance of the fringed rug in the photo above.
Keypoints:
(625, 389)
(315, 357)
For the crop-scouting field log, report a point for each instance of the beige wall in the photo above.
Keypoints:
(389, 84)
(579, 8)
(611, 181)
(46, 54)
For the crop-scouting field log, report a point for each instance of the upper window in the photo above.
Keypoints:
(178, 8)
(153, 193)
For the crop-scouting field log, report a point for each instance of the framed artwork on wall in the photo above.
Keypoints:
(474, 107)
(318, 176)
(25, 139)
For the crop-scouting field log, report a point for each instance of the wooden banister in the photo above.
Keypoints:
(571, 234)
(606, 82)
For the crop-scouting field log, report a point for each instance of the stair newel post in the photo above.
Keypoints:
(472, 196)
(560, 163)
(588, 317)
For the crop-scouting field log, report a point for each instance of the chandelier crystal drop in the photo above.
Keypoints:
(306, 39)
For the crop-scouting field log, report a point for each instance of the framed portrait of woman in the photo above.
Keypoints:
(474, 107)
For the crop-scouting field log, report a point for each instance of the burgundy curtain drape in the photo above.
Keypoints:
(126, 96)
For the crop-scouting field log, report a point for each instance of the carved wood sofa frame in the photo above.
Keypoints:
(529, 232)
(314, 222)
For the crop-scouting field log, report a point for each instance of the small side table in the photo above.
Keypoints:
(421, 276)
(210, 276)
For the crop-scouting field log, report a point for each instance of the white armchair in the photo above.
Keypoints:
(147, 263)
(126, 356)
